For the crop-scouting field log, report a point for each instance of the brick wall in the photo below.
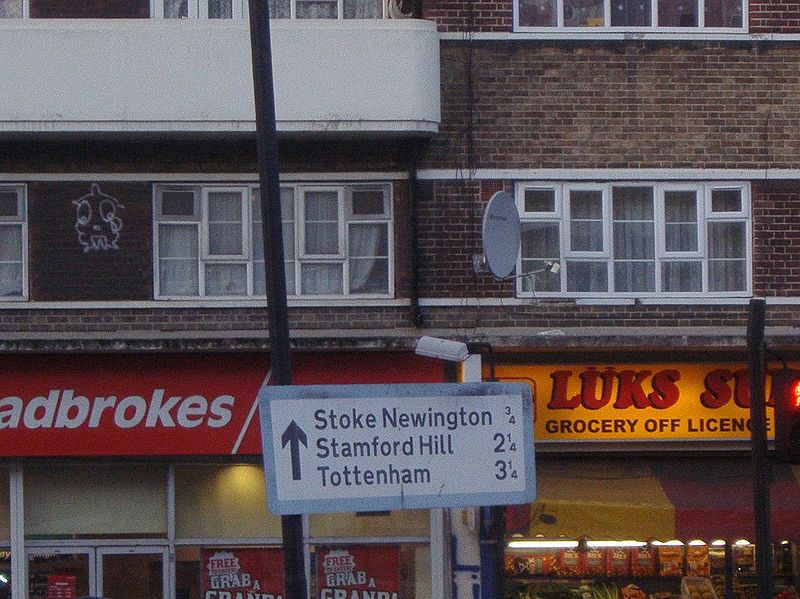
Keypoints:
(469, 15)
(449, 235)
(198, 156)
(776, 238)
(619, 105)
(90, 243)
(228, 321)
(775, 16)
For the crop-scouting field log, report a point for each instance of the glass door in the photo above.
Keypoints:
(131, 572)
(61, 572)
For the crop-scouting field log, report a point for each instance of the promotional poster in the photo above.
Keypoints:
(359, 573)
(245, 573)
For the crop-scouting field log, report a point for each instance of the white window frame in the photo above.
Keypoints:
(21, 220)
(300, 218)
(661, 228)
(566, 242)
(653, 27)
(197, 9)
(245, 225)
(704, 214)
(345, 218)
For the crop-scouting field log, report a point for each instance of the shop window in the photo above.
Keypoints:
(5, 534)
(635, 570)
(235, 571)
(13, 242)
(5, 573)
(337, 241)
(80, 501)
(675, 15)
(223, 502)
(51, 572)
(5, 508)
(278, 9)
(634, 240)
(398, 570)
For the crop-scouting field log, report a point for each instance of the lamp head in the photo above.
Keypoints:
(443, 349)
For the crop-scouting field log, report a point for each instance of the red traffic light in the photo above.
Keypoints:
(786, 399)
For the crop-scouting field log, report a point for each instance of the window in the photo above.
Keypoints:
(337, 241)
(278, 9)
(199, 9)
(679, 15)
(633, 239)
(11, 9)
(13, 242)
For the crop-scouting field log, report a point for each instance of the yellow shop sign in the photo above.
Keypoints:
(704, 401)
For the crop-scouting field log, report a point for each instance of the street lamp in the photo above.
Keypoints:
(491, 529)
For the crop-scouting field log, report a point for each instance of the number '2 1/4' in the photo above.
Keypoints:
(503, 443)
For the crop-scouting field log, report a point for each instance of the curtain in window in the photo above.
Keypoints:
(225, 223)
(677, 13)
(322, 222)
(726, 250)
(685, 276)
(634, 239)
(630, 13)
(279, 9)
(10, 260)
(10, 9)
(540, 243)
(177, 264)
(176, 9)
(587, 276)
(680, 215)
(317, 9)
(321, 278)
(586, 221)
(287, 231)
(537, 13)
(226, 279)
(363, 9)
(220, 9)
(368, 265)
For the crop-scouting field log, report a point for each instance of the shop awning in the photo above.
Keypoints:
(659, 498)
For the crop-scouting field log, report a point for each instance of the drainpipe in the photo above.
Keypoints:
(415, 151)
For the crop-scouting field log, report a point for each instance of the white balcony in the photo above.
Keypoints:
(194, 76)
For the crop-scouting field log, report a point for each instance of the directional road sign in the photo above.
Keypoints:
(346, 448)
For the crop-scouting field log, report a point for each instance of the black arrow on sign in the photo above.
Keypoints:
(294, 435)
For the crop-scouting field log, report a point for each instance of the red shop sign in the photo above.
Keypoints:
(344, 571)
(181, 404)
(242, 573)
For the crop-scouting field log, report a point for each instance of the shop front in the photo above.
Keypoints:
(133, 476)
(644, 485)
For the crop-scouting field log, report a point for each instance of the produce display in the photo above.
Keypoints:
(696, 587)
(647, 572)
(601, 590)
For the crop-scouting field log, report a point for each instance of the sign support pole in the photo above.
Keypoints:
(761, 468)
(275, 273)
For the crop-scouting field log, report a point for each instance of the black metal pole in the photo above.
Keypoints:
(758, 438)
(275, 272)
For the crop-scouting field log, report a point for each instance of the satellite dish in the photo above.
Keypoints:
(501, 234)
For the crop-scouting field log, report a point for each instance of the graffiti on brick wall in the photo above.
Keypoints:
(96, 221)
